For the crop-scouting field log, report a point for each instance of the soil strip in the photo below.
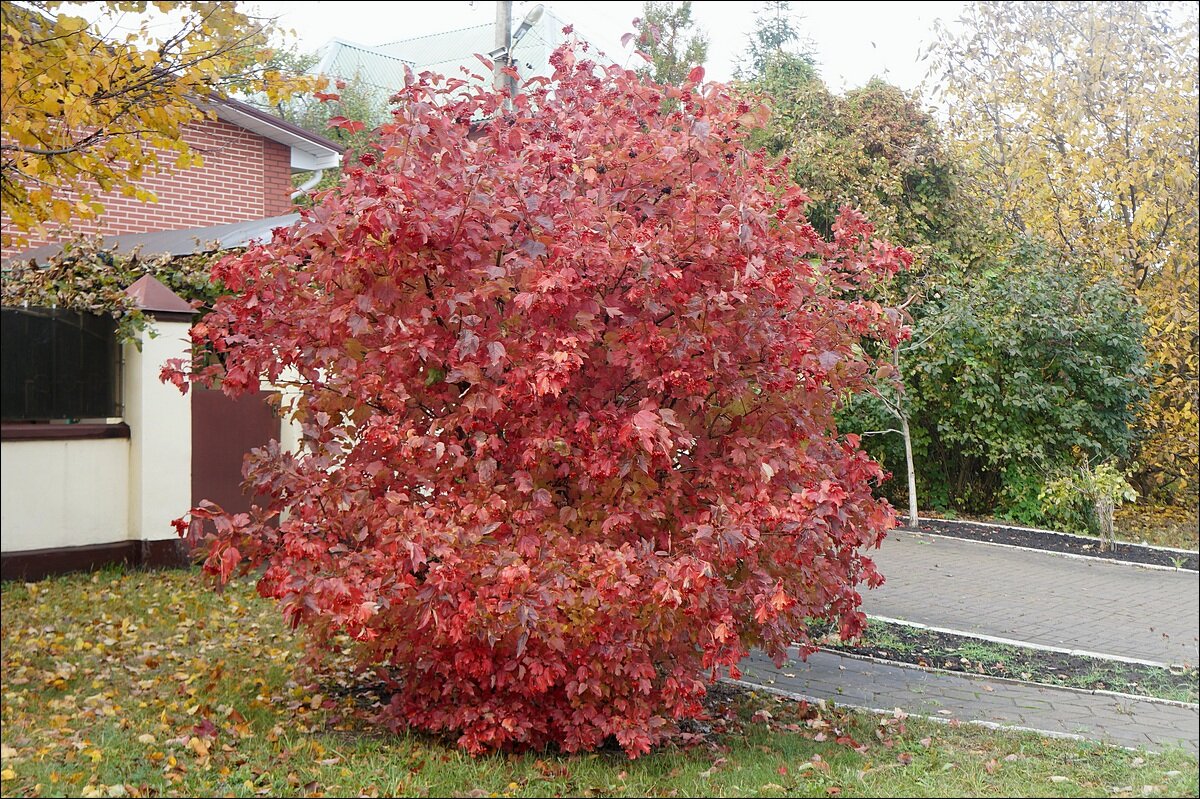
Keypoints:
(934, 649)
(1059, 542)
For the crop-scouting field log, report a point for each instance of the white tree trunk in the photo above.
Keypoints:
(913, 518)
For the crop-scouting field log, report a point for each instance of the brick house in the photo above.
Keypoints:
(97, 454)
(249, 159)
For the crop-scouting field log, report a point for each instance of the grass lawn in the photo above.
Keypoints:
(143, 684)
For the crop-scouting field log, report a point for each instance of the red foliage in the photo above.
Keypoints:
(567, 383)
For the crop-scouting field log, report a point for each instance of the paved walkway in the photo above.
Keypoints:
(877, 686)
(1090, 605)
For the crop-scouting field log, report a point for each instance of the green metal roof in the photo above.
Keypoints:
(342, 59)
(445, 53)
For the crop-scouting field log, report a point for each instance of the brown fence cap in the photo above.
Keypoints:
(153, 297)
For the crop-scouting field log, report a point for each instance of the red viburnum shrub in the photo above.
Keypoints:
(566, 381)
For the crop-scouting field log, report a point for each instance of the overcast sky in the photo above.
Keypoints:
(852, 41)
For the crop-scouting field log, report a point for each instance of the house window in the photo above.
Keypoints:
(58, 365)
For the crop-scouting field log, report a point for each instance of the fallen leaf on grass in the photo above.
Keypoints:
(1059, 779)
(199, 746)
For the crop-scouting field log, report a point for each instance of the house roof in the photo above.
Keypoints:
(343, 59)
(153, 296)
(309, 150)
(213, 238)
(382, 66)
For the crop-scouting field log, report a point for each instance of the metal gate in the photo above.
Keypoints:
(224, 431)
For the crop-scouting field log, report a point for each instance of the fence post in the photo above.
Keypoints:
(160, 426)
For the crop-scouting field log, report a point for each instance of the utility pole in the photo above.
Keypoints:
(504, 47)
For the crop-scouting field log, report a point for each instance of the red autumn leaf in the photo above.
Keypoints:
(696, 75)
(348, 125)
(205, 729)
(569, 435)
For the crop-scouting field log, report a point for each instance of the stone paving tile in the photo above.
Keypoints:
(1039, 597)
(1123, 721)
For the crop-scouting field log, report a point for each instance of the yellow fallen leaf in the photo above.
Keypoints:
(145, 738)
(198, 746)
(8, 774)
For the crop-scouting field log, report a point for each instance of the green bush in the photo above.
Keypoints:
(1015, 371)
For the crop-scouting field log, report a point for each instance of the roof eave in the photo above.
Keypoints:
(309, 151)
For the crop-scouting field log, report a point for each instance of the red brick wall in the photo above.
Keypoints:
(244, 176)
(277, 168)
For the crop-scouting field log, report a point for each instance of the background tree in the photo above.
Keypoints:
(873, 149)
(1015, 372)
(568, 408)
(775, 43)
(345, 110)
(88, 110)
(664, 33)
(963, 405)
(1080, 124)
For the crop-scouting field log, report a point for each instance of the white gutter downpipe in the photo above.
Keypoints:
(308, 184)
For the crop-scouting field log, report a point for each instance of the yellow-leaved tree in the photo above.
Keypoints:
(92, 104)
(1079, 122)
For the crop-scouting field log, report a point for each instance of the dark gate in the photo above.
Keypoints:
(224, 430)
